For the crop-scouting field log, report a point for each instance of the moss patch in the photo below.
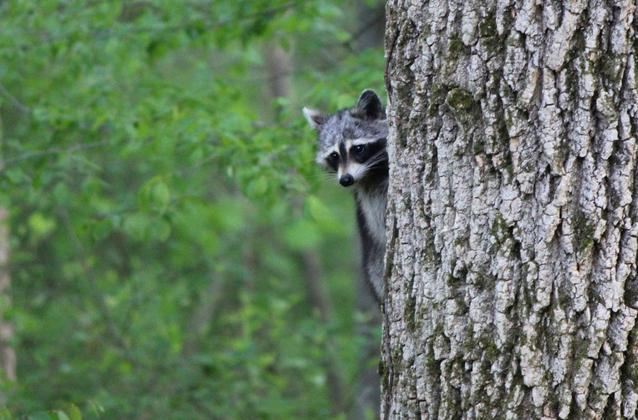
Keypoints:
(460, 99)
(583, 231)
(489, 34)
(456, 48)
(437, 98)
(409, 312)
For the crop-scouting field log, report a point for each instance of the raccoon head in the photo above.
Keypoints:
(351, 142)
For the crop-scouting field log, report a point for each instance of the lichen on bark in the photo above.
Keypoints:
(512, 211)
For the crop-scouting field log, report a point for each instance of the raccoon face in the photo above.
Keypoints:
(351, 143)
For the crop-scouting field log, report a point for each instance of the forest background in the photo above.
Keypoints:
(170, 248)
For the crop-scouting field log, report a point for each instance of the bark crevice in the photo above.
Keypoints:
(513, 288)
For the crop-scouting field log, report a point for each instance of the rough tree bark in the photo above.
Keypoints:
(512, 214)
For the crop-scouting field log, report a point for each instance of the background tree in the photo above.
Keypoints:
(512, 210)
(7, 352)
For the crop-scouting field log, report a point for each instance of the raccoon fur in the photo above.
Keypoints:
(352, 145)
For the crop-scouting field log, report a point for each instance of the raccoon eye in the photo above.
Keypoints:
(332, 160)
(358, 148)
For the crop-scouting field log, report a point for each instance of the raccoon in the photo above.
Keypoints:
(352, 145)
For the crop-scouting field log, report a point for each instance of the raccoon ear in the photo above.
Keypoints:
(315, 118)
(370, 105)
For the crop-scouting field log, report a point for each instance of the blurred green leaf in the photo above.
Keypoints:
(159, 194)
(155, 195)
(302, 234)
(40, 225)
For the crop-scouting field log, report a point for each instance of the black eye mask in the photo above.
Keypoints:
(361, 153)
(333, 160)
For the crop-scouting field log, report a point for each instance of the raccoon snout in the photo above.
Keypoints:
(346, 180)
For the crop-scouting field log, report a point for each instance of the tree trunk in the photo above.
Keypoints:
(512, 215)
(7, 353)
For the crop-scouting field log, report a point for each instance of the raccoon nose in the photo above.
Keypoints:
(346, 180)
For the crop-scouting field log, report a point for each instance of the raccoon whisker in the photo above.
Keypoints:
(327, 176)
(379, 156)
(376, 160)
(380, 153)
(378, 165)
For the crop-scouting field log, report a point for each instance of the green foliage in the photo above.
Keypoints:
(161, 204)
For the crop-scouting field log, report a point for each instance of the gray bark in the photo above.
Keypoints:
(512, 213)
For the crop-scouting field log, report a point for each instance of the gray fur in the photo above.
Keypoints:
(363, 124)
(371, 203)
(344, 126)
